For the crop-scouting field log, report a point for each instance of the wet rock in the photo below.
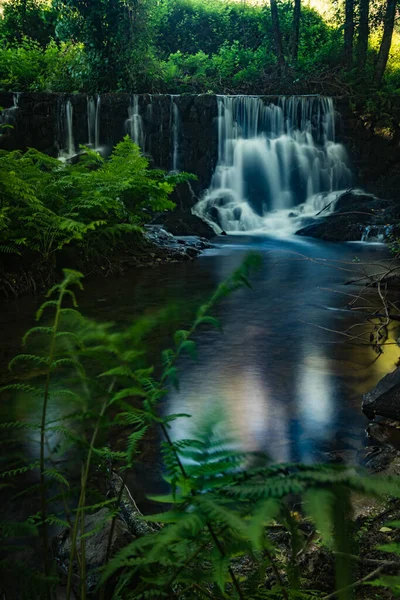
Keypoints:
(170, 248)
(183, 222)
(385, 431)
(356, 216)
(333, 229)
(384, 399)
(129, 525)
(378, 459)
(129, 510)
(96, 547)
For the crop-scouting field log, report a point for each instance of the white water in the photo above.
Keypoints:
(278, 164)
(68, 150)
(134, 123)
(93, 121)
(175, 129)
(8, 115)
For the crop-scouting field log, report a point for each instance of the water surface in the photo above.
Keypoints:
(287, 386)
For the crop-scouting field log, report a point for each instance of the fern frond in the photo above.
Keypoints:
(39, 360)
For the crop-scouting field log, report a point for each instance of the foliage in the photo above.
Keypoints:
(180, 46)
(28, 18)
(221, 501)
(94, 203)
(117, 38)
(28, 66)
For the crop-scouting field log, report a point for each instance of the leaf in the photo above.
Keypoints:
(133, 440)
(180, 336)
(318, 504)
(57, 476)
(48, 304)
(132, 392)
(208, 320)
(392, 548)
(190, 347)
(221, 565)
(45, 330)
(67, 362)
(172, 375)
(28, 358)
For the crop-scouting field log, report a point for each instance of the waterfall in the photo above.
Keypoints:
(278, 163)
(8, 115)
(66, 133)
(175, 130)
(93, 121)
(134, 123)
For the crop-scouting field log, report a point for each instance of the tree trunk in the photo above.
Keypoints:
(277, 33)
(294, 43)
(386, 40)
(363, 33)
(348, 33)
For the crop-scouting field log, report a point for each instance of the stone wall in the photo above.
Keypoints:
(39, 122)
(372, 137)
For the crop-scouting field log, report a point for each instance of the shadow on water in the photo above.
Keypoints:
(288, 387)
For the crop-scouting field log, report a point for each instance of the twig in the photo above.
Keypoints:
(355, 584)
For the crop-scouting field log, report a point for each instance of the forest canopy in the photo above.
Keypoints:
(200, 46)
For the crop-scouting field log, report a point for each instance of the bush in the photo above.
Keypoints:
(46, 204)
(28, 66)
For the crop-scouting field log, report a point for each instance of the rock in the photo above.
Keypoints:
(184, 222)
(378, 458)
(385, 431)
(384, 399)
(333, 229)
(127, 528)
(356, 216)
(129, 510)
(96, 547)
(353, 200)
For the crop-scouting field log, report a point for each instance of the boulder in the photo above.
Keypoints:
(356, 216)
(96, 547)
(128, 526)
(384, 399)
(334, 228)
(183, 222)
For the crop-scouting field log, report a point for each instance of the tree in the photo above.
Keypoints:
(363, 33)
(117, 37)
(294, 43)
(28, 18)
(277, 33)
(386, 42)
(348, 33)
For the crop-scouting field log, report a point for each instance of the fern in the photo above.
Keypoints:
(94, 204)
(219, 508)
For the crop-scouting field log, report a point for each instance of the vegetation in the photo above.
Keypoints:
(221, 504)
(94, 206)
(198, 46)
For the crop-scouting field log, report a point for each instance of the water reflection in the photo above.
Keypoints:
(287, 387)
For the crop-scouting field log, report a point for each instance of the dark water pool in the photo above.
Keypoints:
(287, 386)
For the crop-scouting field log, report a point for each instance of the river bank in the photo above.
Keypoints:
(155, 248)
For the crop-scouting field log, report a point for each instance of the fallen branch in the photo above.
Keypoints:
(355, 584)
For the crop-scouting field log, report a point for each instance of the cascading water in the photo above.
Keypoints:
(277, 164)
(134, 123)
(66, 133)
(8, 115)
(175, 130)
(93, 119)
